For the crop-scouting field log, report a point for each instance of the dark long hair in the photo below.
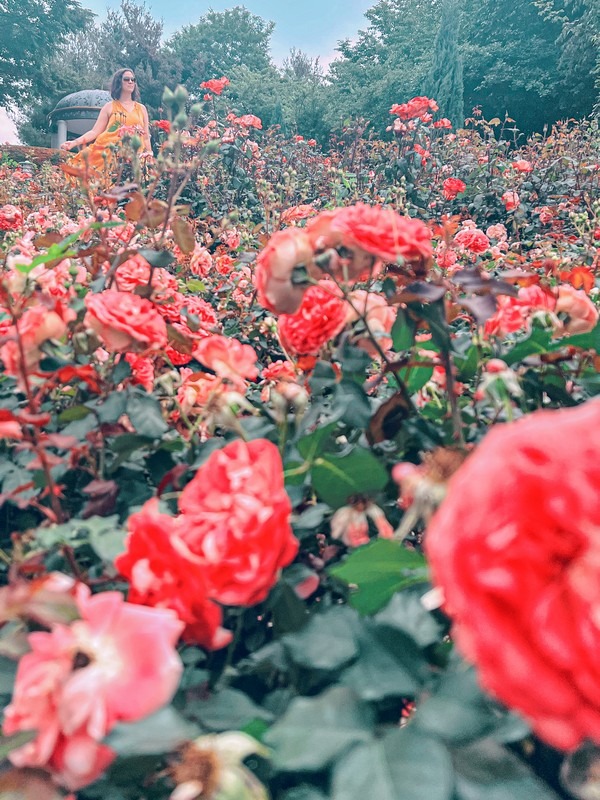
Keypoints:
(116, 84)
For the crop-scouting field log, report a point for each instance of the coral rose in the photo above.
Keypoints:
(381, 231)
(472, 239)
(581, 313)
(380, 318)
(116, 664)
(237, 521)
(228, 358)
(516, 550)
(11, 218)
(321, 316)
(285, 250)
(452, 187)
(163, 573)
(125, 322)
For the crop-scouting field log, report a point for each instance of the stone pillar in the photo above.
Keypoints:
(61, 136)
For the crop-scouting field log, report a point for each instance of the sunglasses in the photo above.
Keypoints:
(128, 80)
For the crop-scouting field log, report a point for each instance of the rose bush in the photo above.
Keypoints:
(216, 374)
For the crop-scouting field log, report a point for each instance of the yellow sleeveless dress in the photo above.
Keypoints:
(98, 156)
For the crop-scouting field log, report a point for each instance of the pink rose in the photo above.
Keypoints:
(125, 322)
(116, 664)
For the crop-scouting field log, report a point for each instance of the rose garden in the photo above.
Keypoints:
(299, 469)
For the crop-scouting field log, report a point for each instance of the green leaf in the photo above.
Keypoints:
(304, 792)
(157, 258)
(314, 731)
(381, 671)
(288, 610)
(404, 765)
(406, 613)
(336, 478)
(326, 643)
(403, 331)
(486, 770)
(146, 416)
(588, 341)
(458, 711)
(110, 408)
(227, 709)
(73, 414)
(159, 733)
(538, 342)
(378, 570)
(107, 538)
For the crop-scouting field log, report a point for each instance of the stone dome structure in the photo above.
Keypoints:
(76, 113)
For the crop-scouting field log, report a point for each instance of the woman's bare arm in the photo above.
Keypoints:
(100, 126)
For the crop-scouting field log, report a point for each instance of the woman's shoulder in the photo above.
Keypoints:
(108, 106)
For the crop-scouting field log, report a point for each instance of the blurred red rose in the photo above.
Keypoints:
(125, 322)
(515, 548)
(237, 521)
(321, 316)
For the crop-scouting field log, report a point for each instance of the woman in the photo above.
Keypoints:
(124, 110)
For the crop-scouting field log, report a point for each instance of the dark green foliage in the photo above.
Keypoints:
(446, 78)
(30, 33)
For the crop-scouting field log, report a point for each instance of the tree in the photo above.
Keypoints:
(388, 63)
(446, 77)
(512, 58)
(219, 42)
(31, 31)
(131, 37)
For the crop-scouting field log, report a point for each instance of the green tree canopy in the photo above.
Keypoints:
(30, 33)
(219, 42)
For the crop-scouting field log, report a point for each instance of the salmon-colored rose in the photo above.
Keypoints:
(516, 551)
(37, 324)
(472, 239)
(285, 250)
(228, 358)
(582, 314)
(320, 318)
(125, 322)
(380, 318)
(381, 231)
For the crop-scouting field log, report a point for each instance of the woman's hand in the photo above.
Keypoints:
(66, 146)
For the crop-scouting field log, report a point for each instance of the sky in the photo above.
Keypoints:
(314, 26)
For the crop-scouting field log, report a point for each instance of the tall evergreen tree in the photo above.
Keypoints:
(446, 77)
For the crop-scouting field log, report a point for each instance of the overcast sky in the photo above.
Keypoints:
(314, 26)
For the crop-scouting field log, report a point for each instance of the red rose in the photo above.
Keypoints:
(125, 322)
(516, 549)
(236, 516)
(416, 107)
(452, 187)
(164, 574)
(215, 85)
(382, 232)
(321, 316)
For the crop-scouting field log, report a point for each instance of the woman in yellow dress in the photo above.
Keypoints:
(124, 112)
